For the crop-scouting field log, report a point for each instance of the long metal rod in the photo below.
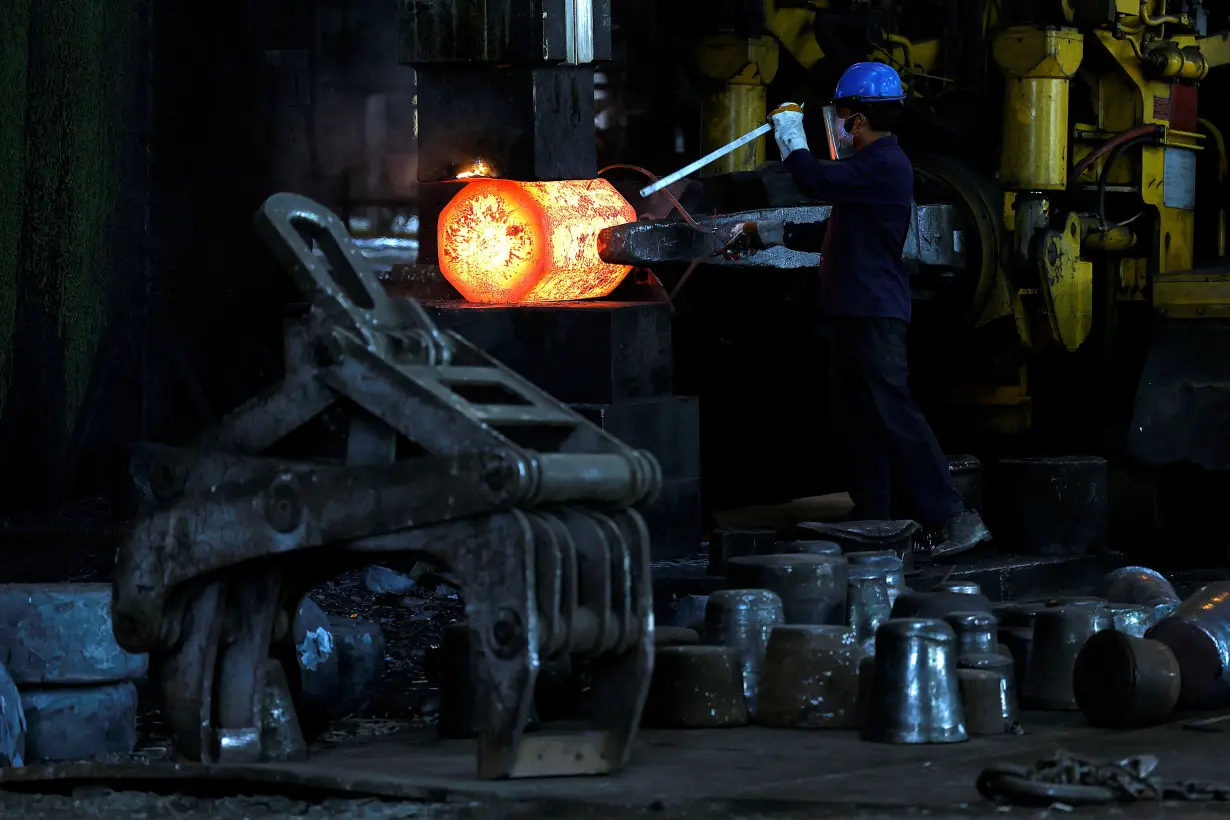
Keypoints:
(671, 179)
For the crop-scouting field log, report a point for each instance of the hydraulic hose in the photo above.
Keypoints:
(1110, 145)
(1115, 153)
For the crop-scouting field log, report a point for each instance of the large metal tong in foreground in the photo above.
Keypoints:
(524, 500)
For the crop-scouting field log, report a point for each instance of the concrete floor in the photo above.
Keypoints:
(675, 775)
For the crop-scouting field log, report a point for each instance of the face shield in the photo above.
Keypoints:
(840, 144)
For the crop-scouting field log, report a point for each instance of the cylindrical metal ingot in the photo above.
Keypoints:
(1019, 642)
(984, 700)
(1198, 633)
(1122, 681)
(959, 587)
(977, 632)
(915, 696)
(742, 620)
(886, 560)
(1136, 585)
(1059, 634)
(1001, 666)
(696, 687)
(812, 587)
(867, 604)
(810, 678)
(866, 682)
(810, 548)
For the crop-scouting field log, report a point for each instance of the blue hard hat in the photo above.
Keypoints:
(869, 82)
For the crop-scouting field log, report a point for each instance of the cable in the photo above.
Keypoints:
(687, 217)
(1110, 144)
(1115, 153)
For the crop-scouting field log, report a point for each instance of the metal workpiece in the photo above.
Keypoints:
(915, 695)
(742, 619)
(1004, 667)
(208, 582)
(894, 536)
(12, 723)
(867, 604)
(1137, 619)
(811, 678)
(1136, 585)
(977, 632)
(809, 547)
(812, 587)
(1121, 681)
(889, 563)
(985, 702)
(1198, 633)
(697, 687)
(866, 683)
(665, 241)
(1019, 642)
(1059, 634)
(56, 634)
(314, 678)
(79, 722)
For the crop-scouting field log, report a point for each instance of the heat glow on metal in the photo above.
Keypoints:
(502, 241)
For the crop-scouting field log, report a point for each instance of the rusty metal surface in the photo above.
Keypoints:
(525, 501)
(61, 634)
(650, 242)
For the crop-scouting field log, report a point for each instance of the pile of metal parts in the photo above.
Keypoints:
(824, 634)
(450, 457)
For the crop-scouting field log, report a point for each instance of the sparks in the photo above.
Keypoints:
(478, 169)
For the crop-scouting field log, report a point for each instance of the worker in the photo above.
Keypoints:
(865, 302)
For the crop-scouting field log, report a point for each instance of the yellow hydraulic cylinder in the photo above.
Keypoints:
(743, 67)
(1039, 65)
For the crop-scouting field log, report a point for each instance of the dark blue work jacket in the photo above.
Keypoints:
(861, 272)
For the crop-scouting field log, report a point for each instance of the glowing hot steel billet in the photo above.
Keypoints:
(503, 241)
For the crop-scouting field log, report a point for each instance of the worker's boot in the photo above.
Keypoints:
(958, 534)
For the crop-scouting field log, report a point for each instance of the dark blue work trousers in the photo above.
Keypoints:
(880, 430)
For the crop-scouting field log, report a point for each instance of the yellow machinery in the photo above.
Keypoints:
(1091, 206)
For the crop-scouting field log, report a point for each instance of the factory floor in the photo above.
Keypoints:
(675, 775)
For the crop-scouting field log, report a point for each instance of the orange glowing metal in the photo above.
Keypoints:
(505, 241)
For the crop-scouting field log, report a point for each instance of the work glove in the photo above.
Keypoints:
(787, 121)
(750, 236)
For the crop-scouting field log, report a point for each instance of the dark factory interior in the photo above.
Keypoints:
(613, 408)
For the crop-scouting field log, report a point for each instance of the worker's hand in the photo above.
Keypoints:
(787, 121)
(753, 236)
(745, 237)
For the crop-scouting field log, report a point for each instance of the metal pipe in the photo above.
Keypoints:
(907, 48)
(1153, 22)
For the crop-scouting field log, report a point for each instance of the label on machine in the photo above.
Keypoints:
(1179, 178)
